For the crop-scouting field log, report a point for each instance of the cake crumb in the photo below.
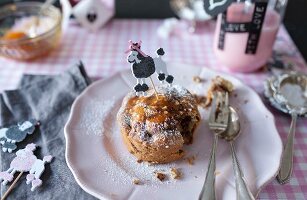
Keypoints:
(216, 173)
(175, 173)
(150, 163)
(139, 161)
(197, 79)
(191, 160)
(200, 100)
(218, 84)
(136, 181)
(161, 176)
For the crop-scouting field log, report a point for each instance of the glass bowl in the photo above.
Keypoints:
(20, 38)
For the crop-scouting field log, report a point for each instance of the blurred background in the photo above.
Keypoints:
(294, 20)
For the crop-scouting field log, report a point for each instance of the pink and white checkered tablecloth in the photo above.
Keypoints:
(103, 55)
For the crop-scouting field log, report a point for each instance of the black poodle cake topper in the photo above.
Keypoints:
(16, 133)
(143, 66)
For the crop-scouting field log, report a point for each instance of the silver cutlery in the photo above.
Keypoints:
(287, 101)
(218, 121)
(286, 164)
(232, 132)
(286, 94)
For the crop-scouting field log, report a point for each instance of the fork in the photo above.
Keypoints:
(218, 122)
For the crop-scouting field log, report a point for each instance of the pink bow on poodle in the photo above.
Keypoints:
(137, 47)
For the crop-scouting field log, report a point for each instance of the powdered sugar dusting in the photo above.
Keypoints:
(123, 168)
(171, 137)
(95, 115)
(115, 172)
(175, 90)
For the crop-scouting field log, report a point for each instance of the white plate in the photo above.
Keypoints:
(103, 167)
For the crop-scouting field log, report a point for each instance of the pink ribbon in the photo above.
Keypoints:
(136, 47)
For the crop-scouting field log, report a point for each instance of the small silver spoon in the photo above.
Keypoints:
(296, 105)
(232, 132)
(287, 102)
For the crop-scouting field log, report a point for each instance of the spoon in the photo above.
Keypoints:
(230, 135)
(290, 92)
(270, 90)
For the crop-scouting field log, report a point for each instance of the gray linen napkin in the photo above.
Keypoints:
(48, 99)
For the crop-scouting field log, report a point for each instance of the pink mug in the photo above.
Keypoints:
(246, 32)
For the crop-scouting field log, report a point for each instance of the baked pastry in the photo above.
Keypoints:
(155, 129)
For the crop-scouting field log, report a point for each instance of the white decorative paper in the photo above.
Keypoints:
(91, 14)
